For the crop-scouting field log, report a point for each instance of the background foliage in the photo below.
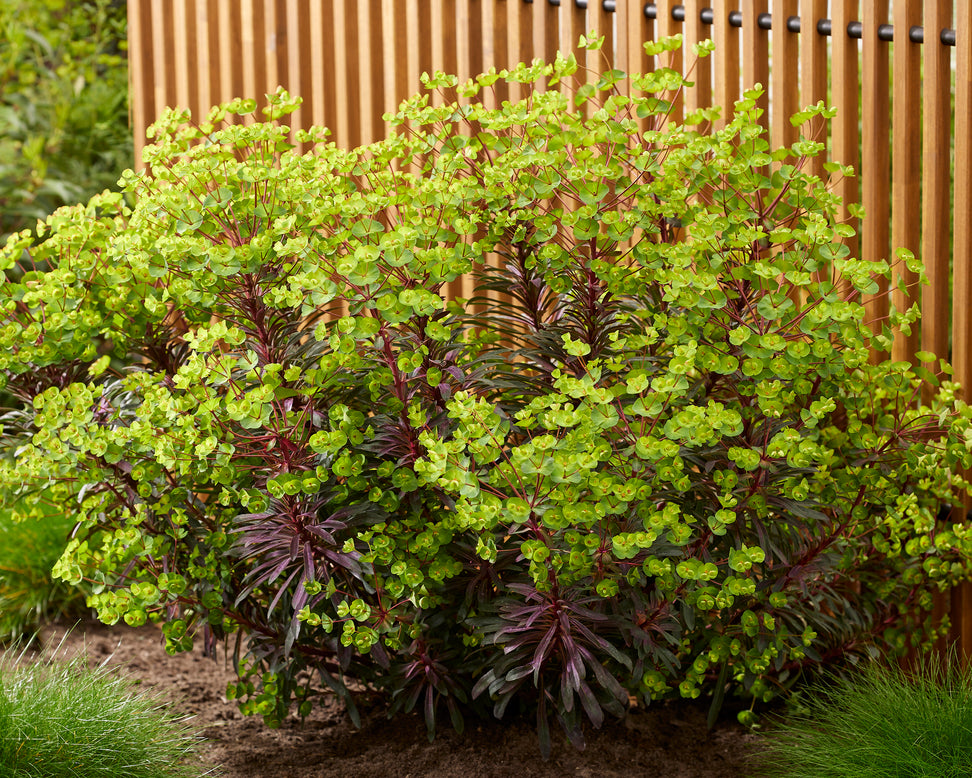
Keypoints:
(64, 136)
(29, 549)
(64, 132)
(653, 456)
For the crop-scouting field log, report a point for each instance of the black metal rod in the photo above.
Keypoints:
(764, 21)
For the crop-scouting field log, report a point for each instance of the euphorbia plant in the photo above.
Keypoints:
(651, 456)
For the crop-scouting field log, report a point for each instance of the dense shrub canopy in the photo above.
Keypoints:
(651, 456)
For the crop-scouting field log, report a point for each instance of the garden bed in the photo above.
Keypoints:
(670, 740)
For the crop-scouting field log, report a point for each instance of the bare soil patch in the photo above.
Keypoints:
(664, 740)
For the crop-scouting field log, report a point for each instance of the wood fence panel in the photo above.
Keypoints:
(351, 62)
(906, 186)
(936, 119)
(875, 175)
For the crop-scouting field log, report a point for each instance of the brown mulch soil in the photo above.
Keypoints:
(664, 740)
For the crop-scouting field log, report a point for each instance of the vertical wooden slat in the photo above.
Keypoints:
(665, 26)
(161, 58)
(454, 59)
(936, 118)
(341, 75)
(245, 58)
(551, 30)
(495, 19)
(382, 58)
(962, 261)
(906, 184)
(700, 95)
(140, 57)
(179, 54)
(392, 57)
(519, 41)
(294, 84)
(363, 83)
(406, 37)
(227, 50)
(205, 64)
(755, 65)
(460, 20)
(445, 43)
(603, 22)
(481, 44)
(316, 56)
(875, 156)
(845, 94)
(572, 25)
(410, 31)
(725, 66)
(813, 74)
(436, 48)
(538, 28)
(786, 73)
(634, 29)
(784, 98)
(597, 61)
(962, 214)
(271, 73)
(936, 121)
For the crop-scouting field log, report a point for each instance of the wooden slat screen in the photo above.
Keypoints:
(353, 61)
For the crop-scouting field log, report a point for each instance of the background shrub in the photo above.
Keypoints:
(64, 131)
(654, 455)
(29, 594)
(64, 136)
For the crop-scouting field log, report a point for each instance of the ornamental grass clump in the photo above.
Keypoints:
(654, 453)
(879, 722)
(62, 719)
